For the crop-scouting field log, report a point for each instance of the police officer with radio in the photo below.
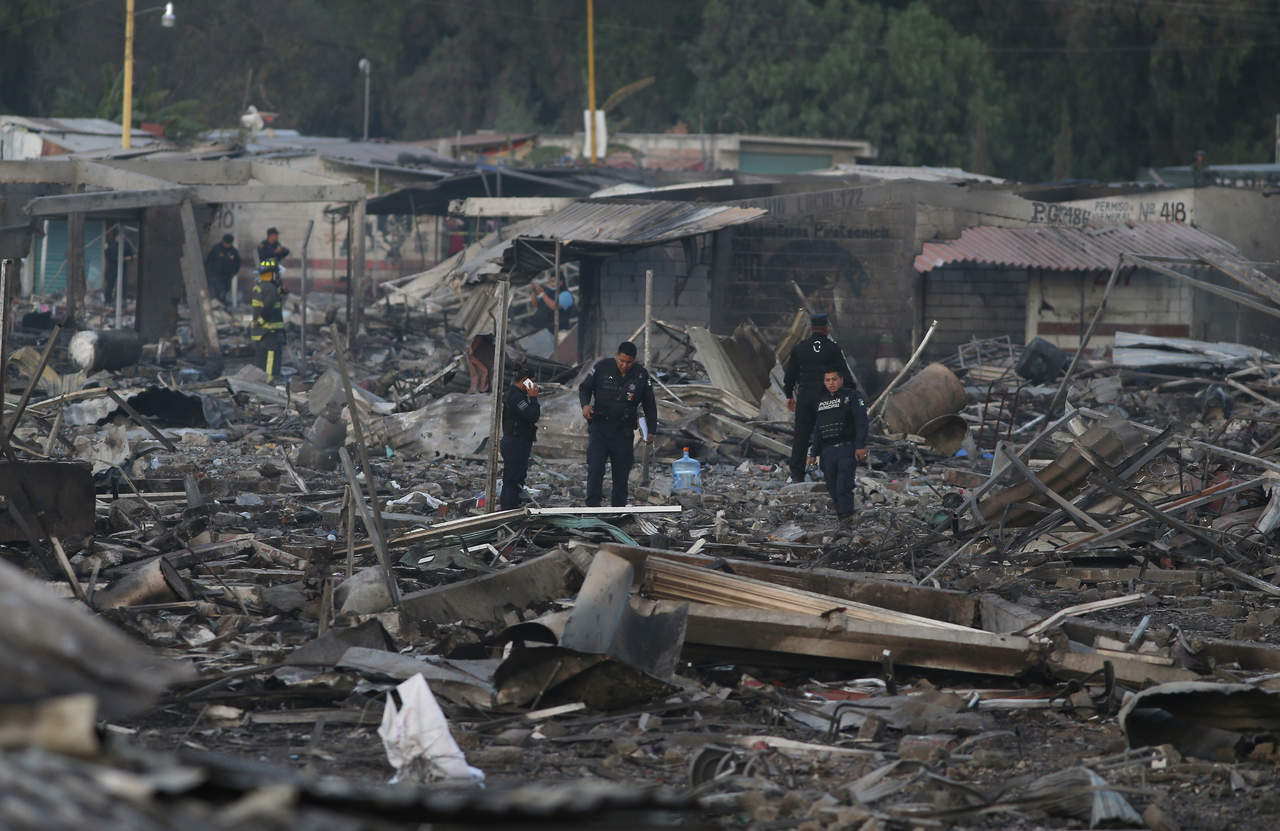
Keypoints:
(839, 441)
(618, 386)
(520, 413)
(802, 384)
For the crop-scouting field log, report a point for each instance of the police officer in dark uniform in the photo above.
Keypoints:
(619, 385)
(839, 441)
(270, 248)
(221, 265)
(802, 384)
(520, 412)
(267, 332)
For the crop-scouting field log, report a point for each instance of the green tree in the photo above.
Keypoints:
(905, 79)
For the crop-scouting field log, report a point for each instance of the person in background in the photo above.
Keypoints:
(271, 249)
(111, 257)
(520, 412)
(618, 386)
(839, 441)
(267, 332)
(802, 384)
(480, 362)
(221, 265)
(544, 315)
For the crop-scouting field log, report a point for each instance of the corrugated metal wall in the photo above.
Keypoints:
(51, 276)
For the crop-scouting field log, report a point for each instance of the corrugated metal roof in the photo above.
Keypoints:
(85, 126)
(635, 223)
(584, 226)
(1069, 249)
(923, 173)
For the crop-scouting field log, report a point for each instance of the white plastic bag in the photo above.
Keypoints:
(417, 738)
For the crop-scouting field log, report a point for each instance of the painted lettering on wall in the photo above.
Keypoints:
(1050, 213)
(1118, 209)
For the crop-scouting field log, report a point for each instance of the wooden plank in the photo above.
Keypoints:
(193, 278)
(668, 580)
(786, 634)
(940, 604)
(75, 266)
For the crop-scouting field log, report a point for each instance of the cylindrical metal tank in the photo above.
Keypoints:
(934, 392)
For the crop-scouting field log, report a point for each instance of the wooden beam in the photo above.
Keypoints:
(940, 604)
(356, 218)
(202, 325)
(75, 266)
(788, 634)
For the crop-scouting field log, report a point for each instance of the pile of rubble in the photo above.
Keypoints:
(229, 602)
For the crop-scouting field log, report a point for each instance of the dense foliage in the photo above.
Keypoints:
(1032, 89)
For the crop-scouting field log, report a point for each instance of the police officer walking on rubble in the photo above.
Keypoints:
(619, 386)
(267, 332)
(839, 440)
(802, 384)
(520, 412)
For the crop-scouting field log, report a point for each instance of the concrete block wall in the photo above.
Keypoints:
(680, 298)
(974, 302)
(853, 264)
(1141, 301)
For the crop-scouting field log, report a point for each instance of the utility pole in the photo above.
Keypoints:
(126, 114)
(591, 79)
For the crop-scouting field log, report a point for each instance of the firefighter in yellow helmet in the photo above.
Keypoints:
(268, 318)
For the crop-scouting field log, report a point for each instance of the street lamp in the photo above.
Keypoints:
(364, 67)
(167, 20)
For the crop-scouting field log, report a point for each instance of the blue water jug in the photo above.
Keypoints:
(687, 474)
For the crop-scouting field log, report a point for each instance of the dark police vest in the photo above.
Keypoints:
(617, 396)
(834, 422)
(514, 425)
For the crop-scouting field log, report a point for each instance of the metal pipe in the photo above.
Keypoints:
(915, 356)
(1059, 397)
(306, 238)
(32, 383)
(497, 388)
(44, 257)
(120, 243)
(648, 340)
(6, 288)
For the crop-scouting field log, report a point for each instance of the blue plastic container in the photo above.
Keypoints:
(687, 474)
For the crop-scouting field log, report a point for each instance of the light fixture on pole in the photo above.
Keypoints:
(167, 20)
(364, 67)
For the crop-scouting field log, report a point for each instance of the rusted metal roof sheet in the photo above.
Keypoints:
(1069, 249)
